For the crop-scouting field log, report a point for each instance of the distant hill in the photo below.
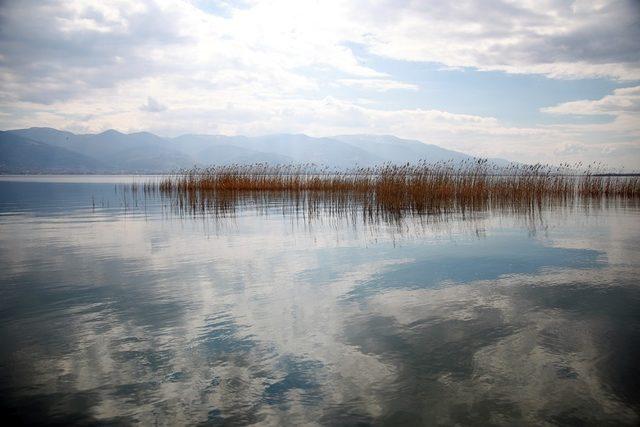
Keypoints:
(48, 150)
(222, 150)
(396, 150)
(135, 152)
(23, 155)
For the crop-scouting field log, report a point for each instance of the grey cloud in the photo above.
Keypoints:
(502, 16)
(611, 38)
(43, 61)
(46, 63)
(153, 106)
(502, 35)
(571, 149)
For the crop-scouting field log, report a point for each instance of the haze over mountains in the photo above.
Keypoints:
(47, 150)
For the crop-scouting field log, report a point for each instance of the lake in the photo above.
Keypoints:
(117, 308)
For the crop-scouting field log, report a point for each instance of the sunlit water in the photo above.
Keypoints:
(120, 310)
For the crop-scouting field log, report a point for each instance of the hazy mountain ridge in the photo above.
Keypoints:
(24, 155)
(112, 151)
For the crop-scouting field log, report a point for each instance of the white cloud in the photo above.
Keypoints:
(616, 142)
(622, 101)
(381, 85)
(553, 38)
(153, 106)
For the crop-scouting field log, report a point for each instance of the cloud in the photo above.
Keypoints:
(153, 106)
(94, 44)
(554, 38)
(622, 101)
(381, 85)
(571, 149)
(616, 142)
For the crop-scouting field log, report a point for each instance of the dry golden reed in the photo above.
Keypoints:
(409, 188)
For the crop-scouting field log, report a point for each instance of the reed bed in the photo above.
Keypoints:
(392, 189)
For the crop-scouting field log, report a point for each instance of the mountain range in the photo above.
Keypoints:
(47, 150)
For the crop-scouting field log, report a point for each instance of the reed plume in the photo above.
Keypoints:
(417, 188)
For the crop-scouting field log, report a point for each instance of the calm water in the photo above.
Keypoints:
(115, 310)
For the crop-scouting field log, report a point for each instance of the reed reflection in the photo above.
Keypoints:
(421, 193)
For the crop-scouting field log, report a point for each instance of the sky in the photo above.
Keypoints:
(532, 81)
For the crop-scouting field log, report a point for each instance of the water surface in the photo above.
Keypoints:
(118, 309)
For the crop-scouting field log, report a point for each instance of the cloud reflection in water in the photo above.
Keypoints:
(147, 316)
